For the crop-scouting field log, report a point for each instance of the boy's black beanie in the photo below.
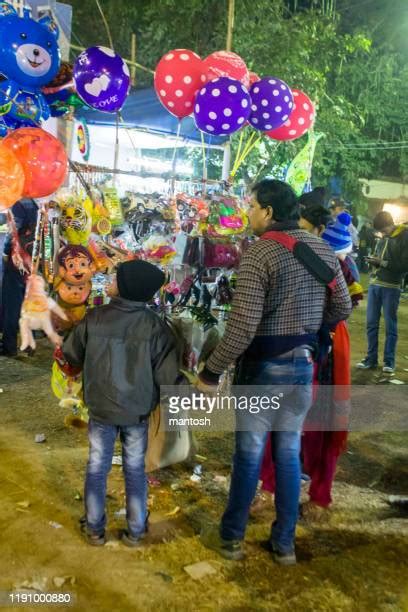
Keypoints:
(139, 280)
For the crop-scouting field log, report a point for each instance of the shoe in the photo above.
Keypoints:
(282, 558)
(364, 364)
(132, 541)
(94, 539)
(388, 369)
(229, 549)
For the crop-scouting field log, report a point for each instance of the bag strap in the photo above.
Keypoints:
(306, 256)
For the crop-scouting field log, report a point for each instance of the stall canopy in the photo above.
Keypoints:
(143, 111)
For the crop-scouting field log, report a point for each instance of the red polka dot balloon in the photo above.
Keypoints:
(179, 76)
(300, 119)
(226, 64)
(253, 77)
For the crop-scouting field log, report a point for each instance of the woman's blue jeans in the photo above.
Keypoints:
(295, 374)
(101, 447)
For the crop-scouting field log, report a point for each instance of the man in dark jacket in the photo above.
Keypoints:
(390, 264)
(13, 286)
(277, 311)
(126, 352)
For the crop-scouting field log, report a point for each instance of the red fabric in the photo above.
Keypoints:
(282, 238)
(63, 364)
(321, 449)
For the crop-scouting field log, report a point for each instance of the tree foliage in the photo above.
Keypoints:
(356, 74)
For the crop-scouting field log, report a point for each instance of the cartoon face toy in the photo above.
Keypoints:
(76, 265)
(74, 295)
(76, 220)
(29, 52)
(29, 59)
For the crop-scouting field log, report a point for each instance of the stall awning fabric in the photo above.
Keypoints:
(142, 110)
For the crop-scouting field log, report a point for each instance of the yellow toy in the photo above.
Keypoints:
(68, 389)
(76, 219)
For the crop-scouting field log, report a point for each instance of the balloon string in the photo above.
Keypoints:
(174, 160)
(239, 160)
(35, 258)
(241, 137)
(253, 145)
(105, 23)
(203, 152)
(246, 153)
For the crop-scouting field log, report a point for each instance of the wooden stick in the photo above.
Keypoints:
(231, 9)
(133, 58)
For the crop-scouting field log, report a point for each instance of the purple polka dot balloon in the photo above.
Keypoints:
(271, 103)
(222, 106)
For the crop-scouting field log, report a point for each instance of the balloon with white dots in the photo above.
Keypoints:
(272, 101)
(222, 106)
(298, 121)
(178, 76)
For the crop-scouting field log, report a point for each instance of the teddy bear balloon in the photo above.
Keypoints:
(29, 59)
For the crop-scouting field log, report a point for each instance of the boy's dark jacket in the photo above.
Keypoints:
(393, 252)
(126, 352)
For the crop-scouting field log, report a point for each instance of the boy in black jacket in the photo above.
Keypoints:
(126, 353)
(390, 264)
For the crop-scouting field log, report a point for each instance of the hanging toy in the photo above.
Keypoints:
(158, 249)
(226, 218)
(76, 265)
(112, 203)
(29, 59)
(36, 313)
(73, 284)
(68, 389)
(76, 219)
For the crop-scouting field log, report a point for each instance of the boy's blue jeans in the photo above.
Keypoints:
(101, 447)
(387, 299)
(286, 425)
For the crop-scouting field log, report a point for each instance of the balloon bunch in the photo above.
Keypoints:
(224, 96)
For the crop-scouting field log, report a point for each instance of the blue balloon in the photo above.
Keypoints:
(29, 59)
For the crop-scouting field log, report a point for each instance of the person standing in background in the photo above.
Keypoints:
(389, 264)
(337, 206)
(13, 285)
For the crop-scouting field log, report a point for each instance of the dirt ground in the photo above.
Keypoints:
(354, 558)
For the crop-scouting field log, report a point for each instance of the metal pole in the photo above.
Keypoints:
(226, 162)
(115, 163)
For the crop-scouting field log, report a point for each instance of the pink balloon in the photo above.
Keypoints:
(300, 120)
(227, 64)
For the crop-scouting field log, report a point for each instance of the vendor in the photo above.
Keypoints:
(13, 285)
